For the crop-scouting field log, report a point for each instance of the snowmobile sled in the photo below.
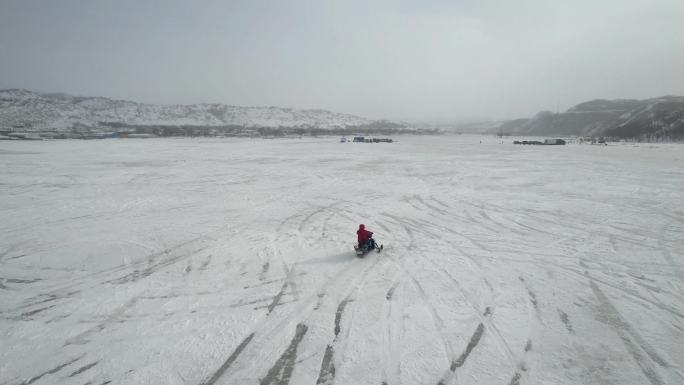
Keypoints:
(367, 247)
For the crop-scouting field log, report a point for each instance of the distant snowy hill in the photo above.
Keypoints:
(659, 117)
(36, 111)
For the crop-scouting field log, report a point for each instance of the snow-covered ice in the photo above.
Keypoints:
(185, 261)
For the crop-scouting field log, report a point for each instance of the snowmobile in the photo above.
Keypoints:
(362, 250)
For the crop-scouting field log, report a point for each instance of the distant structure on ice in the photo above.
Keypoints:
(547, 142)
(362, 139)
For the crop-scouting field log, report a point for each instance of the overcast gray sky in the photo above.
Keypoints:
(432, 60)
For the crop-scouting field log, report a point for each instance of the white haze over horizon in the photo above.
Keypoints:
(405, 60)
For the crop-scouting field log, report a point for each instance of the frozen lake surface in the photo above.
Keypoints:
(184, 261)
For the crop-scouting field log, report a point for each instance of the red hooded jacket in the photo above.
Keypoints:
(363, 234)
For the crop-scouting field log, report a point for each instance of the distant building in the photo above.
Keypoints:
(554, 142)
(547, 142)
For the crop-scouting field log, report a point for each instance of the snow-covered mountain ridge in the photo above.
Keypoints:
(625, 118)
(29, 110)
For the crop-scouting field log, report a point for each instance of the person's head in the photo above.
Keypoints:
(362, 226)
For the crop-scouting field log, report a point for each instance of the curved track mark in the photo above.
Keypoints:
(229, 361)
(474, 340)
(281, 372)
(608, 314)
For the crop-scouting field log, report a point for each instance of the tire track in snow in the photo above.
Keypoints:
(485, 317)
(566, 321)
(508, 213)
(264, 255)
(50, 298)
(532, 297)
(425, 224)
(390, 292)
(581, 276)
(264, 271)
(20, 280)
(113, 316)
(608, 314)
(411, 201)
(387, 231)
(460, 361)
(327, 373)
(516, 379)
(153, 265)
(398, 221)
(290, 278)
(255, 301)
(532, 229)
(264, 283)
(281, 372)
(471, 220)
(437, 321)
(317, 210)
(222, 369)
(522, 367)
(357, 288)
(439, 202)
(281, 303)
(27, 315)
(488, 311)
(205, 263)
(391, 366)
(501, 341)
(277, 297)
(319, 301)
(84, 368)
(500, 225)
(288, 282)
(285, 221)
(51, 371)
(57, 290)
(432, 207)
(338, 315)
(268, 327)
(332, 214)
(5, 252)
(679, 271)
(486, 320)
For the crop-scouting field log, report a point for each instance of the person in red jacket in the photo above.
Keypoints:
(365, 237)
